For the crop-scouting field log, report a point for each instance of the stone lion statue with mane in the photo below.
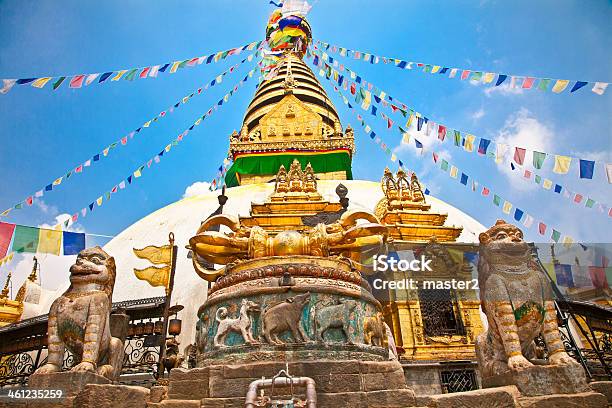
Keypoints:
(79, 320)
(518, 301)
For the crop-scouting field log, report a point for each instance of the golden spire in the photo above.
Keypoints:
(33, 276)
(5, 291)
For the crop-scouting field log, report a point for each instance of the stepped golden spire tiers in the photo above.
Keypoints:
(407, 214)
(290, 117)
(10, 310)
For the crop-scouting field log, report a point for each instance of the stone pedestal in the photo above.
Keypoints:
(354, 384)
(542, 380)
(70, 382)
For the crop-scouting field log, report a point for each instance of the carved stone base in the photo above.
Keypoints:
(603, 387)
(70, 382)
(542, 380)
(582, 400)
(338, 383)
(500, 397)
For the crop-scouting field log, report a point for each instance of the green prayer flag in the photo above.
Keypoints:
(107, 195)
(444, 165)
(457, 138)
(58, 82)
(496, 199)
(427, 68)
(25, 239)
(543, 85)
(538, 159)
(555, 235)
(476, 75)
(182, 64)
(131, 75)
(590, 202)
(538, 178)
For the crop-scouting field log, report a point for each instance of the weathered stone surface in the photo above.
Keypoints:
(337, 383)
(581, 400)
(501, 397)
(222, 403)
(342, 400)
(112, 396)
(228, 388)
(178, 404)
(603, 387)
(71, 382)
(542, 380)
(188, 384)
(158, 393)
(390, 399)
(61, 403)
(423, 380)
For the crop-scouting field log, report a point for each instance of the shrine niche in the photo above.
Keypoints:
(290, 119)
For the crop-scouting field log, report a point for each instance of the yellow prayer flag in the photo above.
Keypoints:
(105, 151)
(406, 138)
(469, 143)
(560, 85)
(409, 121)
(547, 184)
(489, 77)
(507, 207)
(562, 164)
(393, 157)
(154, 276)
(568, 241)
(57, 182)
(435, 69)
(40, 82)
(550, 270)
(197, 122)
(174, 67)
(137, 173)
(49, 241)
(154, 254)
(219, 79)
(453, 171)
(99, 201)
(147, 124)
(382, 95)
(119, 75)
(218, 56)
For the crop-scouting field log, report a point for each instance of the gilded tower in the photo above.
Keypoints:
(290, 117)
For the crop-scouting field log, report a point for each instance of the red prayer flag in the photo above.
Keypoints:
(79, 169)
(193, 61)
(114, 190)
(598, 276)
(542, 228)
(353, 89)
(29, 200)
(519, 155)
(145, 72)
(528, 82)
(527, 174)
(465, 74)
(124, 140)
(77, 81)
(75, 217)
(485, 191)
(389, 123)
(6, 234)
(435, 157)
(441, 132)
(577, 198)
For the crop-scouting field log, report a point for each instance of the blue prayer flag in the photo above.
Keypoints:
(464, 179)
(402, 64)
(586, 169)
(558, 188)
(419, 123)
(400, 163)
(164, 68)
(49, 187)
(74, 242)
(104, 77)
(500, 79)
(373, 110)
(483, 146)
(372, 135)
(418, 144)
(96, 157)
(518, 214)
(578, 85)
(427, 191)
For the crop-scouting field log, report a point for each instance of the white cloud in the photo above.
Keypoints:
(197, 188)
(60, 219)
(478, 114)
(502, 90)
(44, 207)
(523, 130)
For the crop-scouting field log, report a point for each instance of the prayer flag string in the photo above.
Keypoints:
(129, 74)
(53, 185)
(487, 78)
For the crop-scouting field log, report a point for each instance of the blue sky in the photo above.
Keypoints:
(46, 133)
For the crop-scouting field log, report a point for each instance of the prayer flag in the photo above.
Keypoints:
(519, 155)
(40, 82)
(485, 191)
(153, 72)
(558, 188)
(518, 214)
(507, 207)
(7, 84)
(444, 165)
(476, 76)
(560, 85)
(465, 74)
(442, 133)
(74, 242)
(589, 203)
(543, 85)
(483, 146)
(49, 241)
(555, 235)
(609, 172)
(90, 78)
(600, 87)
(453, 171)
(464, 179)
(453, 73)
(528, 83)
(578, 198)
(77, 81)
(586, 169)
(562, 164)
(547, 184)
(578, 85)
(25, 239)
(563, 274)
(528, 222)
(119, 75)
(489, 77)
(144, 72)
(500, 154)
(496, 200)
(99, 201)
(538, 159)
(500, 79)
(541, 228)
(469, 143)
(104, 77)
(6, 234)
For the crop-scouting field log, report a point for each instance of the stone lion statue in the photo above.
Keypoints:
(79, 319)
(518, 302)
